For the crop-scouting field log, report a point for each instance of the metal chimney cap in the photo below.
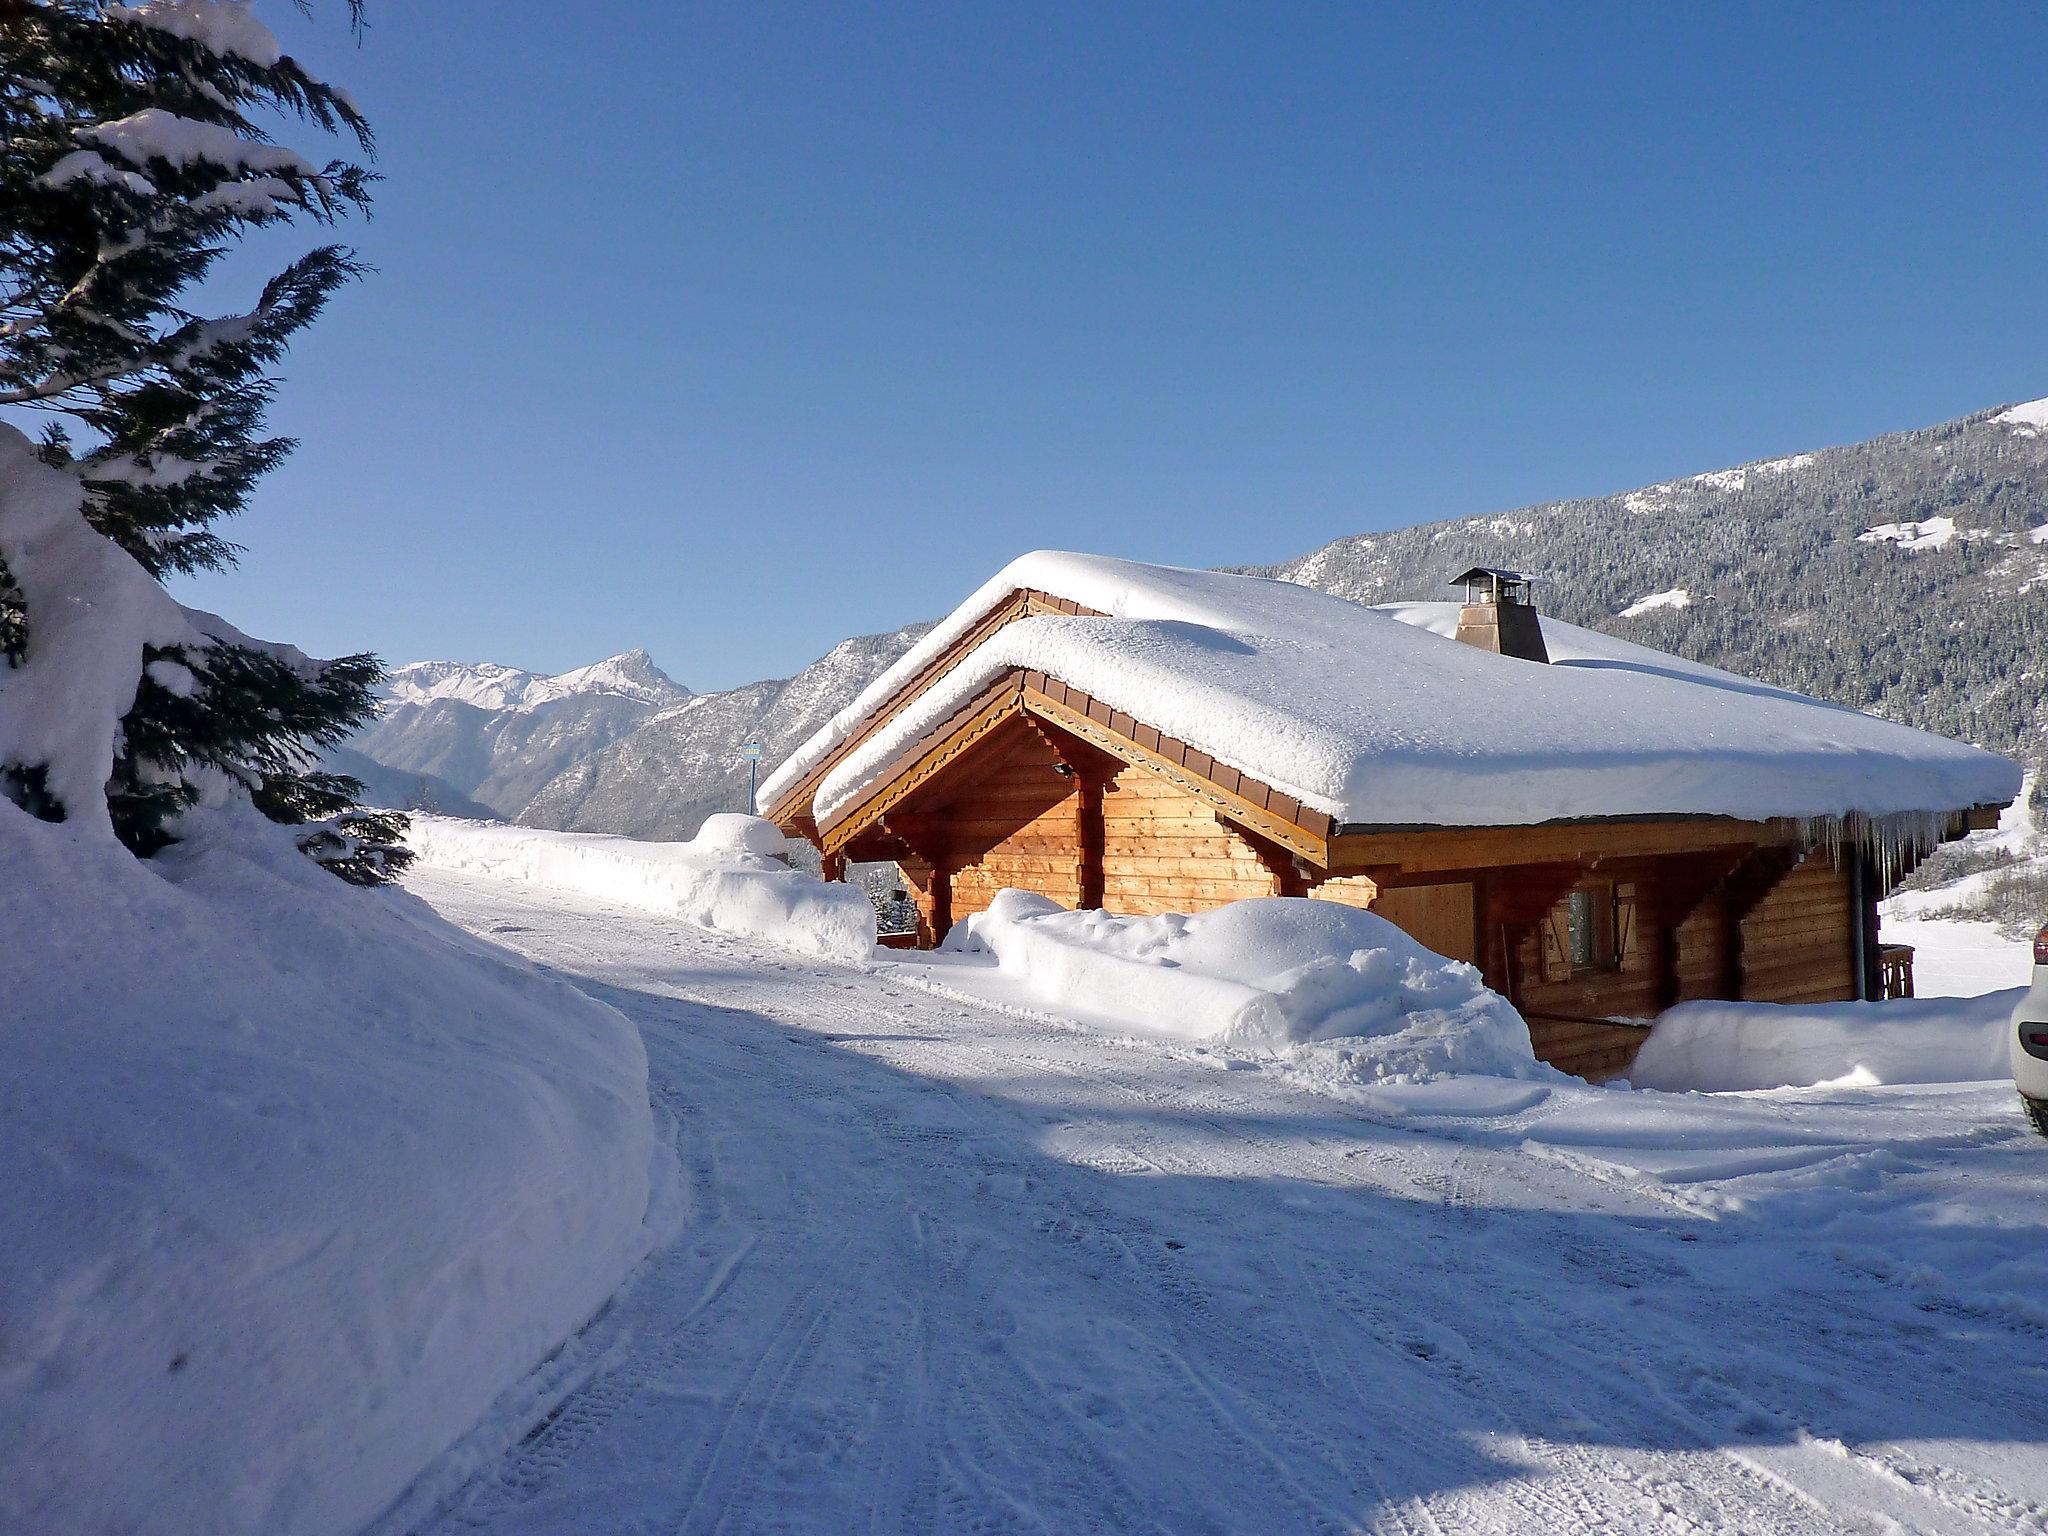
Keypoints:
(1493, 585)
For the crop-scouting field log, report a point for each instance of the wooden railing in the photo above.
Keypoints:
(1895, 969)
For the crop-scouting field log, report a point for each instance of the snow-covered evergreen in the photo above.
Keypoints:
(134, 154)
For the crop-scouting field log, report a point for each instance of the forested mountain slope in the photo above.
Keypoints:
(1907, 575)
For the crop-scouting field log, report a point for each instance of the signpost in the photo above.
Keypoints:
(750, 754)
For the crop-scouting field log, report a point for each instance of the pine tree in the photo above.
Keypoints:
(133, 156)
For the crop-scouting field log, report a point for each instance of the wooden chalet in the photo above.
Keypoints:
(1602, 829)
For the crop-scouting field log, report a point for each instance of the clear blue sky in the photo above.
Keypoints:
(729, 331)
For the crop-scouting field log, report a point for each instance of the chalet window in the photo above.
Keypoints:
(1598, 920)
(1581, 924)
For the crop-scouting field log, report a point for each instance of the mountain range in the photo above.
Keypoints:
(1907, 575)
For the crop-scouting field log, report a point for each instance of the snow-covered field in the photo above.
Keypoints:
(947, 1266)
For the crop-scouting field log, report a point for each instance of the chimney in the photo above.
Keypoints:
(1497, 615)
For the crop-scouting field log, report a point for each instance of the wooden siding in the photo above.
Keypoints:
(1700, 954)
(1016, 826)
(1799, 944)
(1165, 851)
(1439, 917)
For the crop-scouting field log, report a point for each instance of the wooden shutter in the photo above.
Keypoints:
(1625, 934)
(1556, 938)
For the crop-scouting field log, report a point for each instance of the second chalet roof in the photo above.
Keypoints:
(1379, 718)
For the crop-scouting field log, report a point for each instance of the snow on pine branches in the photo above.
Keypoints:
(135, 151)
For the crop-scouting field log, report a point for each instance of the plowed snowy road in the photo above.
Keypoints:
(948, 1270)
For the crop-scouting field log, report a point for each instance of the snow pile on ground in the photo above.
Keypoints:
(734, 876)
(1277, 974)
(299, 1179)
(1343, 708)
(1716, 1046)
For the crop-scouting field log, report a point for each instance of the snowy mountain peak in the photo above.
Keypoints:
(488, 685)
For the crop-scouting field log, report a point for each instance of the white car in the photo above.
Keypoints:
(2030, 1040)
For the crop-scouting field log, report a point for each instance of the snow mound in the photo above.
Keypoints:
(299, 1180)
(734, 877)
(1719, 1047)
(1279, 975)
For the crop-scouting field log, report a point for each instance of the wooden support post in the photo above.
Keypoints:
(923, 838)
(1089, 835)
(833, 866)
(1864, 889)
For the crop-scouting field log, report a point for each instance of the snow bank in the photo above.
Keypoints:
(1343, 707)
(1276, 975)
(734, 876)
(299, 1179)
(1715, 1047)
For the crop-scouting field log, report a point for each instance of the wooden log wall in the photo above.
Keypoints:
(1799, 943)
(1015, 826)
(1165, 851)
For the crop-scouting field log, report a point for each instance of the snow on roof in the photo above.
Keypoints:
(1378, 717)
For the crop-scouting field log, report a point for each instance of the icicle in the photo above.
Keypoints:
(1894, 842)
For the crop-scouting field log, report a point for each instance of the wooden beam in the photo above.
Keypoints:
(968, 726)
(1443, 851)
(1291, 875)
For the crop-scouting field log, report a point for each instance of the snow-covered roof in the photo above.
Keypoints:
(1378, 716)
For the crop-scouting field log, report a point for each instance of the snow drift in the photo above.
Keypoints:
(1716, 1047)
(733, 876)
(1274, 975)
(299, 1179)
